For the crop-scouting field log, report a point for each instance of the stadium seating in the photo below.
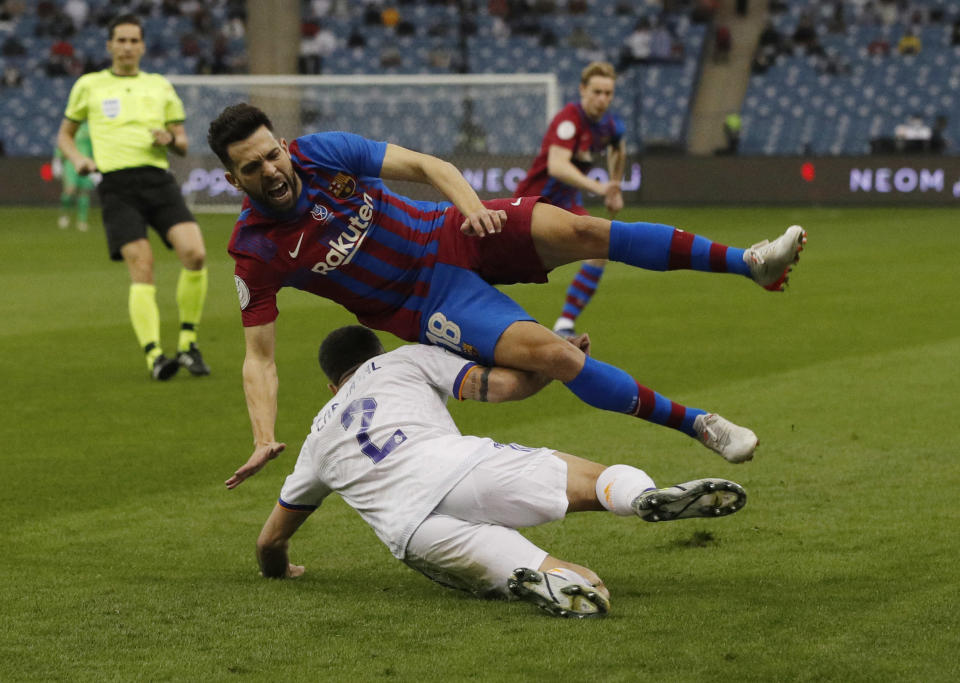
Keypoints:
(653, 99)
(837, 103)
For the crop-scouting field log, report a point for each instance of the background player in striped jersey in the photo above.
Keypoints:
(318, 217)
(575, 138)
(135, 118)
(450, 505)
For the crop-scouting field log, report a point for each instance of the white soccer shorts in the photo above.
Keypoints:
(470, 541)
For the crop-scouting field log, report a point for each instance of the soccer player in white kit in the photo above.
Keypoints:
(449, 505)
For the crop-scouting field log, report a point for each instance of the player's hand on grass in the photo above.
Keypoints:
(484, 222)
(263, 454)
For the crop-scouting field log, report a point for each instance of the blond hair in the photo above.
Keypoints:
(592, 69)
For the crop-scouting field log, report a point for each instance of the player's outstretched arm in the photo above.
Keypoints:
(260, 386)
(274, 540)
(400, 163)
(262, 454)
(560, 166)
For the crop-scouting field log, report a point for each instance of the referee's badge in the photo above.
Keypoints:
(242, 291)
(111, 107)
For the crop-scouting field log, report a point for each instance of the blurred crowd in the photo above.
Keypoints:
(652, 40)
(836, 16)
(206, 39)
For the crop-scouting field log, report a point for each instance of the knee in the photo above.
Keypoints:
(140, 264)
(591, 231)
(194, 258)
(188, 243)
(557, 359)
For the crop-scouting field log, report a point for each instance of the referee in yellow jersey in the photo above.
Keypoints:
(134, 118)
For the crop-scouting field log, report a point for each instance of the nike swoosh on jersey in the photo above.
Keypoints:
(516, 203)
(295, 252)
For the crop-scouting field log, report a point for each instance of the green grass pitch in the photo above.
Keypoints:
(123, 557)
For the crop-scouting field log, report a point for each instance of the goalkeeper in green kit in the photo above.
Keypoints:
(76, 187)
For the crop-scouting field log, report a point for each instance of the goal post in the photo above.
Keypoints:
(468, 119)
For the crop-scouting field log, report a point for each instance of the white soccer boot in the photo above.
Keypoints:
(558, 595)
(698, 498)
(735, 443)
(771, 262)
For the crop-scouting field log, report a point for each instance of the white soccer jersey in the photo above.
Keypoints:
(387, 444)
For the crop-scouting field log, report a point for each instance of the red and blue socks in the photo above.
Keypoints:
(608, 387)
(655, 246)
(580, 291)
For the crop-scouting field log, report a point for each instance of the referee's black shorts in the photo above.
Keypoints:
(132, 198)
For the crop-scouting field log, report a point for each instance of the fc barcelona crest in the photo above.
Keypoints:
(343, 186)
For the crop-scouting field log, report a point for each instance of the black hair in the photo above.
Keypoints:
(124, 19)
(235, 123)
(346, 348)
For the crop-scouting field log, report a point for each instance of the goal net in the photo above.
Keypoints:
(477, 121)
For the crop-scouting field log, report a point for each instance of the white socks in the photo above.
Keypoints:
(618, 485)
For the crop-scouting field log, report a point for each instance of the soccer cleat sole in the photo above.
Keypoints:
(580, 597)
(664, 505)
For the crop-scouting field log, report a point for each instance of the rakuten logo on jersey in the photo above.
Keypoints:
(347, 244)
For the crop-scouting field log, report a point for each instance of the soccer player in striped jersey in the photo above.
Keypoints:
(449, 505)
(318, 217)
(575, 139)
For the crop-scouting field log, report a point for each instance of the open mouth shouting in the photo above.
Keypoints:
(279, 192)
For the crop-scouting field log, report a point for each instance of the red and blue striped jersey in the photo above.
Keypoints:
(348, 239)
(571, 129)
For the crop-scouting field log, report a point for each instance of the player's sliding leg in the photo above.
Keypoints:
(559, 590)
(626, 490)
(698, 498)
(471, 540)
(529, 346)
(579, 293)
(569, 590)
(562, 237)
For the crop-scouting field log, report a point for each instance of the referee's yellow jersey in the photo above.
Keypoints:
(122, 110)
